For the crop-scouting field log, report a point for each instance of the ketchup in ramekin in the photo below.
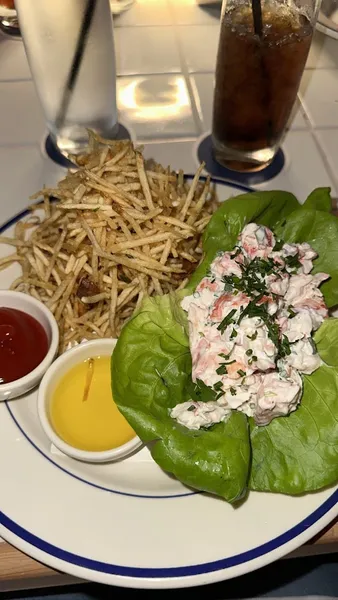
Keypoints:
(23, 344)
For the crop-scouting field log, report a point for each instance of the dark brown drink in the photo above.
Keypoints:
(257, 80)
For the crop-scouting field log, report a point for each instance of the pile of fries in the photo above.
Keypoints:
(113, 231)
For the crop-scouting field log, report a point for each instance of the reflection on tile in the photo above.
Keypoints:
(13, 63)
(177, 155)
(323, 52)
(142, 50)
(21, 118)
(188, 13)
(203, 88)
(328, 139)
(23, 171)
(156, 106)
(199, 44)
(304, 169)
(319, 96)
(145, 12)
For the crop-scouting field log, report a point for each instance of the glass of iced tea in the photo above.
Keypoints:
(8, 18)
(262, 52)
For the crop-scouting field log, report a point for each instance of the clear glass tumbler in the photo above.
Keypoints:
(70, 50)
(262, 52)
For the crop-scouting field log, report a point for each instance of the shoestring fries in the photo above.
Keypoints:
(118, 229)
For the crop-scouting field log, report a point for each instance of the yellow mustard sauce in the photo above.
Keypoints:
(83, 412)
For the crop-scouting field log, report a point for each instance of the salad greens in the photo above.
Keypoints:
(151, 372)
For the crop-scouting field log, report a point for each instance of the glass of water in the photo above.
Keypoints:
(70, 50)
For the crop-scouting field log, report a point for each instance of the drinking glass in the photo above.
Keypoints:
(70, 50)
(8, 17)
(262, 52)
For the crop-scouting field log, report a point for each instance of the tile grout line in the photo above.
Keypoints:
(185, 71)
(325, 160)
(19, 80)
(156, 74)
(313, 132)
(173, 140)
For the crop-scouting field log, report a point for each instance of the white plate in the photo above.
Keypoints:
(129, 523)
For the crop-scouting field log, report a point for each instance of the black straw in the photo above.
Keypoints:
(76, 63)
(257, 17)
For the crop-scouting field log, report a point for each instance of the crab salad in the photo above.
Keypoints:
(250, 325)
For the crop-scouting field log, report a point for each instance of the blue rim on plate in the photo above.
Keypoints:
(170, 572)
(160, 573)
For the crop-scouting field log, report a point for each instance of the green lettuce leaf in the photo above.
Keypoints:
(266, 208)
(326, 339)
(151, 373)
(299, 453)
(319, 199)
(320, 230)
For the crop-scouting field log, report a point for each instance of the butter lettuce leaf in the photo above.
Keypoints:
(151, 373)
(299, 453)
(320, 230)
(326, 340)
(319, 199)
(266, 208)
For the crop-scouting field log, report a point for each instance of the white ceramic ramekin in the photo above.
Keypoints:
(77, 354)
(42, 314)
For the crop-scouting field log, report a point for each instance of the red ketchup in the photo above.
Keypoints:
(23, 344)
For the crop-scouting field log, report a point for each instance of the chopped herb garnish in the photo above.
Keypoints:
(284, 347)
(226, 321)
(273, 331)
(253, 336)
(253, 310)
(278, 245)
(225, 356)
(248, 352)
(241, 373)
(222, 369)
(252, 359)
(228, 287)
(292, 262)
(191, 408)
(291, 312)
(233, 334)
(218, 386)
(199, 392)
(233, 391)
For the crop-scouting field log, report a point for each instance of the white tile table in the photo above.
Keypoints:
(166, 53)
